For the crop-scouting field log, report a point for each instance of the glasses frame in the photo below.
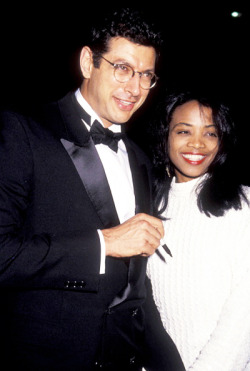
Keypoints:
(115, 65)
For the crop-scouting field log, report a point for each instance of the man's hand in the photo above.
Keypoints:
(139, 235)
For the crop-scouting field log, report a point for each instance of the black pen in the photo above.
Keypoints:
(160, 256)
(167, 250)
(164, 246)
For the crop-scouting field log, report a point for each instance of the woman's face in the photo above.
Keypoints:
(193, 140)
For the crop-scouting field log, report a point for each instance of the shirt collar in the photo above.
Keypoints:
(86, 106)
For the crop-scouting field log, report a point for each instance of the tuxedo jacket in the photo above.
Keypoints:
(59, 312)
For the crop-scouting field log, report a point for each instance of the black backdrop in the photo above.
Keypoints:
(204, 48)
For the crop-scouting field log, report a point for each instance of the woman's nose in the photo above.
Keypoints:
(196, 141)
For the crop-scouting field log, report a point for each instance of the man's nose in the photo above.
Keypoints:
(133, 85)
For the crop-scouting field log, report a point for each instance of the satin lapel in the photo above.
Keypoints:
(82, 151)
(91, 172)
(135, 288)
(140, 181)
(137, 266)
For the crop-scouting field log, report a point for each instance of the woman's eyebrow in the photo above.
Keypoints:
(181, 123)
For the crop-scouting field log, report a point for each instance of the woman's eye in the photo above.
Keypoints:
(182, 132)
(212, 134)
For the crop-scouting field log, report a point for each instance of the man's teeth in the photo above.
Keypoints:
(125, 102)
(194, 157)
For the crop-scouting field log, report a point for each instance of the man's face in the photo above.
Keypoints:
(113, 101)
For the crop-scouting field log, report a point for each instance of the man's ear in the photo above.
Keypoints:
(86, 62)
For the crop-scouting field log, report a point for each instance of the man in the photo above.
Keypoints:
(73, 252)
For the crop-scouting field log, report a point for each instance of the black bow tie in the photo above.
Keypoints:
(103, 135)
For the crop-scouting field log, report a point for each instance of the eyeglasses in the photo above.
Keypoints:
(124, 72)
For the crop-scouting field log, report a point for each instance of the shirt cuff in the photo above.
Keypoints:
(103, 252)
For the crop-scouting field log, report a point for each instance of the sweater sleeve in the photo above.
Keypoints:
(228, 348)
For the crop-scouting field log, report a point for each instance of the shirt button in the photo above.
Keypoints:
(132, 360)
(98, 365)
(109, 311)
(134, 313)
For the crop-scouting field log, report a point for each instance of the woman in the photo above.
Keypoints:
(202, 289)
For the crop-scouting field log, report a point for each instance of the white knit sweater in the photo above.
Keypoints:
(203, 291)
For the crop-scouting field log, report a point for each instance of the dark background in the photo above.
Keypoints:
(204, 48)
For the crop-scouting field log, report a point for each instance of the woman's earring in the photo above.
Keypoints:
(168, 172)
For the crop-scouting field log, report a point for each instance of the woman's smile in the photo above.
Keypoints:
(193, 140)
(194, 158)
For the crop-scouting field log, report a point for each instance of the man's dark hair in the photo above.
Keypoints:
(126, 23)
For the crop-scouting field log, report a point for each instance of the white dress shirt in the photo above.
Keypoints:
(118, 173)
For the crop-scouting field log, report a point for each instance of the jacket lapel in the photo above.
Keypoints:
(140, 181)
(82, 151)
(137, 265)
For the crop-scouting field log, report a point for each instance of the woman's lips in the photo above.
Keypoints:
(194, 158)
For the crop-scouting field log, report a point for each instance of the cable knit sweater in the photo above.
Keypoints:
(203, 291)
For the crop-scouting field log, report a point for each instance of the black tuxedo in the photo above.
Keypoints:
(61, 314)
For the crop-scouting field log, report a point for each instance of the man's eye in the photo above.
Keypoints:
(148, 75)
(122, 67)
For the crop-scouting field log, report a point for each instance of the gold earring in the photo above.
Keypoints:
(168, 172)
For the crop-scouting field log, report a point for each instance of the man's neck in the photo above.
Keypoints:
(87, 107)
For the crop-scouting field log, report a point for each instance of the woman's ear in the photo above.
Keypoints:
(86, 62)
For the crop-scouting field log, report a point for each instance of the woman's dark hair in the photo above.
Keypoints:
(128, 23)
(220, 190)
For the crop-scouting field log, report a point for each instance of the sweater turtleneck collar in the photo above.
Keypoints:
(185, 188)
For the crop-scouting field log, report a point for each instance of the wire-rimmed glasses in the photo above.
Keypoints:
(123, 73)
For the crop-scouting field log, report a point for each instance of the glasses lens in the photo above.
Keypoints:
(147, 81)
(123, 73)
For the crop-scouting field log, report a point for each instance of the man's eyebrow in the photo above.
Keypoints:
(123, 61)
(119, 60)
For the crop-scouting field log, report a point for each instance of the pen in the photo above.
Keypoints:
(164, 246)
(167, 250)
(160, 255)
